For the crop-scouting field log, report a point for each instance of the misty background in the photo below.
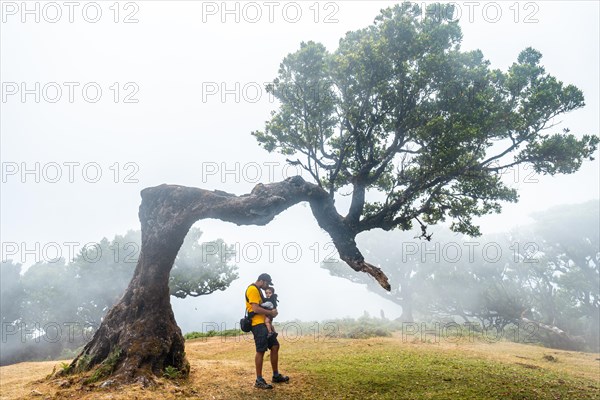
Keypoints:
(180, 96)
(546, 273)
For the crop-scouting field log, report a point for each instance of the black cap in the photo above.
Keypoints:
(266, 278)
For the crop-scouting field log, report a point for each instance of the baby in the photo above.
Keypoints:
(270, 303)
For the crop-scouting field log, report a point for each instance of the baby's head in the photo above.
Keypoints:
(269, 291)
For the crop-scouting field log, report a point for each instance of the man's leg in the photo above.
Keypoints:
(260, 339)
(258, 362)
(275, 359)
(277, 377)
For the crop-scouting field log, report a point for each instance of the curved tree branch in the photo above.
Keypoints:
(180, 207)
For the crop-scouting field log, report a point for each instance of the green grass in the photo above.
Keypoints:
(386, 372)
(339, 368)
(213, 333)
(327, 361)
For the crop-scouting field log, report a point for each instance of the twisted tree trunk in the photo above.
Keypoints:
(139, 337)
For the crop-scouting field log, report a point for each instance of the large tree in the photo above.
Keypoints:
(399, 114)
(141, 324)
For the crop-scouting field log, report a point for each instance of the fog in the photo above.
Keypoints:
(547, 272)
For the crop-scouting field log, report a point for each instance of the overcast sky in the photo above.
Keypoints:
(150, 92)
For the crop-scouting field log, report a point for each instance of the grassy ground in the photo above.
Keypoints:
(376, 368)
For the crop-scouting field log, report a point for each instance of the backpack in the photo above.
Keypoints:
(246, 322)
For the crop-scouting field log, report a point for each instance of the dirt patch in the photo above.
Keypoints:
(530, 366)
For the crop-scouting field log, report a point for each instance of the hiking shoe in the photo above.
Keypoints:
(280, 378)
(262, 384)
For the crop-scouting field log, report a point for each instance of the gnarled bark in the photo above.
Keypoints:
(139, 337)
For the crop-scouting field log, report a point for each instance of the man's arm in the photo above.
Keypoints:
(260, 310)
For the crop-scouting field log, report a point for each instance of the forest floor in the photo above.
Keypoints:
(332, 368)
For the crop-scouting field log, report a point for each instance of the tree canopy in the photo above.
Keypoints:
(417, 128)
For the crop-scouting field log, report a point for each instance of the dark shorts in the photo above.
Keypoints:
(261, 341)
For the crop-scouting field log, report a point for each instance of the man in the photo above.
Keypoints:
(254, 298)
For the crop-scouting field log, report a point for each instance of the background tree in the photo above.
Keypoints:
(11, 310)
(11, 291)
(443, 278)
(74, 297)
(46, 293)
(376, 115)
(400, 255)
(545, 275)
(202, 268)
(568, 243)
(479, 285)
(100, 274)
